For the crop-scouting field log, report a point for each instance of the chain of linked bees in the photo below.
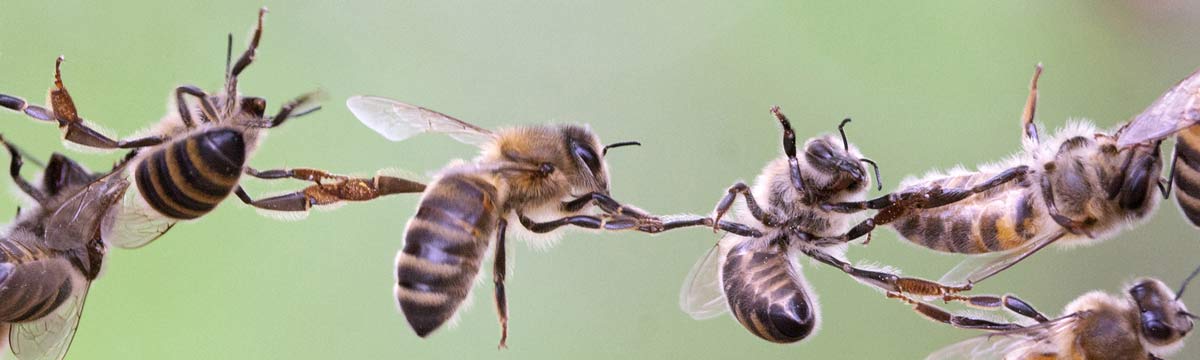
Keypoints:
(1079, 185)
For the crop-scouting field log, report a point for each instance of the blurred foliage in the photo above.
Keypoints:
(929, 86)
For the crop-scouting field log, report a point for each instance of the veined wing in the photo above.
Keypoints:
(133, 223)
(397, 121)
(49, 337)
(78, 219)
(1008, 344)
(702, 296)
(977, 268)
(1175, 110)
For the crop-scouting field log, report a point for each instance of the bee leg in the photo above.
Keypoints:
(941, 315)
(1075, 227)
(731, 196)
(14, 170)
(589, 222)
(887, 282)
(789, 149)
(185, 114)
(231, 73)
(1170, 180)
(344, 189)
(728, 226)
(931, 197)
(64, 112)
(606, 203)
(285, 111)
(499, 269)
(1027, 115)
(1012, 303)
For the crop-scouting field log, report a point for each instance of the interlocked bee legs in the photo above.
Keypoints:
(499, 269)
(941, 315)
(64, 113)
(887, 282)
(343, 189)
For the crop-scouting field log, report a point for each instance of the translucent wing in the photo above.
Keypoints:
(76, 220)
(977, 268)
(397, 121)
(1175, 110)
(133, 223)
(701, 296)
(49, 337)
(1009, 344)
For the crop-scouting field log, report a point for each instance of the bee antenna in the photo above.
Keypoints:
(1179, 294)
(619, 144)
(845, 143)
(874, 166)
(228, 53)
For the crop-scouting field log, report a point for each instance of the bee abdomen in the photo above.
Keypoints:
(992, 226)
(186, 179)
(1187, 173)
(767, 295)
(31, 290)
(443, 247)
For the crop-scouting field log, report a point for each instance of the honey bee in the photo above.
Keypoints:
(1147, 322)
(1077, 187)
(51, 252)
(543, 177)
(757, 278)
(195, 157)
(1175, 113)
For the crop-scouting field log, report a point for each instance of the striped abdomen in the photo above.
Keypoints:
(989, 222)
(443, 247)
(187, 178)
(767, 294)
(32, 282)
(1187, 173)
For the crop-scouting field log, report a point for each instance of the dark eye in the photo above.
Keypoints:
(1156, 330)
(588, 156)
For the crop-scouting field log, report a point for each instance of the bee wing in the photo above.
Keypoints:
(701, 296)
(1175, 110)
(133, 223)
(397, 121)
(76, 220)
(976, 268)
(50, 336)
(1008, 344)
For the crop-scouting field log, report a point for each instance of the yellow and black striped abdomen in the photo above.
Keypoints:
(1187, 173)
(999, 222)
(767, 294)
(187, 178)
(32, 283)
(443, 248)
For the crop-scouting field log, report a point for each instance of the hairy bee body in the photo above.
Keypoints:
(1187, 173)
(186, 178)
(1080, 164)
(445, 243)
(34, 281)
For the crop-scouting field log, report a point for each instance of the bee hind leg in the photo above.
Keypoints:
(342, 189)
(888, 282)
(1009, 302)
(941, 315)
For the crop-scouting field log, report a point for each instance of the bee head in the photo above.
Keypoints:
(252, 107)
(1163, 319)
(835, 165)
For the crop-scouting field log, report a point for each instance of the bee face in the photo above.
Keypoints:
(841, 162)
(587, 171)
(1164, 320)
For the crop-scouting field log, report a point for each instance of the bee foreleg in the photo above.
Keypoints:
(606, 203)
(1027, 116)
(499, 269)
(1075, 227)
(185, 114)
(941, 315)
(789, 149)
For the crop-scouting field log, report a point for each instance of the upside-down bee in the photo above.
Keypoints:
(51, 252)
(1147, 322)
(196, 155)
(542, 177)
(1076, 187)
(758, 278)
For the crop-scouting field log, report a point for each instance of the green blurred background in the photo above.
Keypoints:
(929, 86)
